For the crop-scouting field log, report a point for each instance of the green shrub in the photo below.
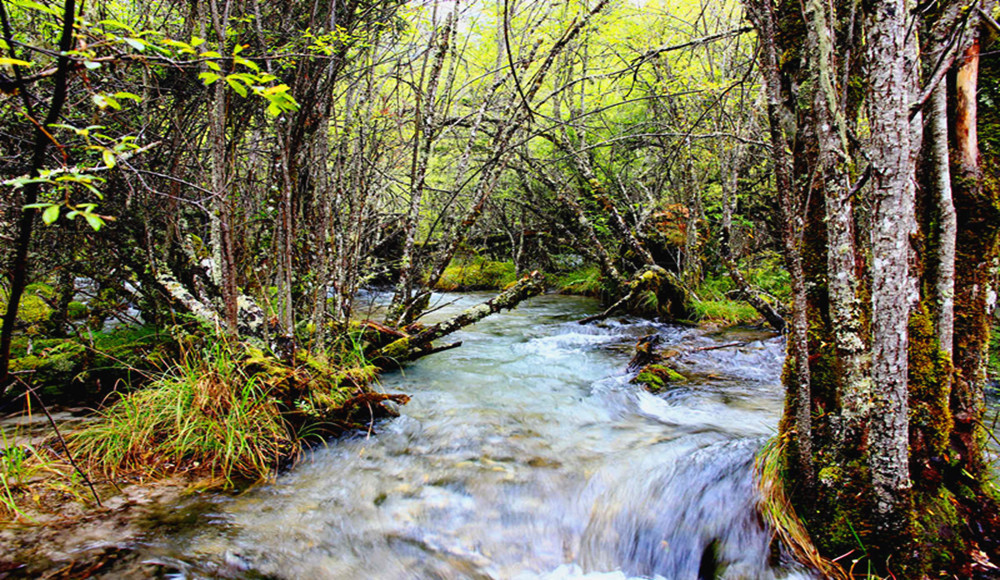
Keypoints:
(76, 310)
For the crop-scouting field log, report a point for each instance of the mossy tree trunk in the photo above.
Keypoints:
(882, 454)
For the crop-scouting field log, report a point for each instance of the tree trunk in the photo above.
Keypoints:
(892, 86)
(978, 221)
(19, 267)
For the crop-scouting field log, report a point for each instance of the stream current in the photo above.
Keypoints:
(525, 453)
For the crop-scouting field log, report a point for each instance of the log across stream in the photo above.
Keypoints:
(525, 453)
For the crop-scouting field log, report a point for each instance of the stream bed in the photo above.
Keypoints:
(525, 453)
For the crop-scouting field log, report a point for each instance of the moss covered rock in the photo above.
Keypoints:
(54, 369)
(657, 377)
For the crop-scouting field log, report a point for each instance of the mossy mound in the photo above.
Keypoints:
(33, 311)
(233, 411)
(655, 378)
(82, 370)
(658, 293)
(476, 273)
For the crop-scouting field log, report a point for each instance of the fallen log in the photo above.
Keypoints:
(671, 301)
(414, 346)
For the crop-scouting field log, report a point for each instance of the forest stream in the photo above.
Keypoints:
(525, 453)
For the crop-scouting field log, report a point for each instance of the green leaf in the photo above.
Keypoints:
(14, 61)
(51, 214)
(124, 95)
(208, 77)
(247, 63)
(116, 24)
(195, 41)
(91, 65)
(211, 53)
(31, 5)
(237, 86)
(94, 220)
(105, 101)
(109, 158)
(135, 43)
(213, 65)
(176, 43)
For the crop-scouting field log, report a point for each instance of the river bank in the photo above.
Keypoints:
(525, 452)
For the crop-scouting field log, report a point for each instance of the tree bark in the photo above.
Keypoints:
(978, 224)
(892, 84)
(781, 123)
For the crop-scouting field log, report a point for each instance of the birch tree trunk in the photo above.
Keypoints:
(892, 86)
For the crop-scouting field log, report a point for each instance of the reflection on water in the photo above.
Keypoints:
(525, 453)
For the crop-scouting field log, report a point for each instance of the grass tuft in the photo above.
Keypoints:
(207, 412)
(585, 281)
(725, 311)
(776, 509)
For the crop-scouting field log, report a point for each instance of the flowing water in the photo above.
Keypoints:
(523, 454)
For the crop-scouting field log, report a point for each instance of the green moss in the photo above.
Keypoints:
(396, 349)
(930, 413)
(476, 273)
(76, 310)
(937, 531)
(33, 308)
(53, 368)
(841, 511)
(656, 377)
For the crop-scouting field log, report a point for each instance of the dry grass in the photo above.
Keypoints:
(777, 510)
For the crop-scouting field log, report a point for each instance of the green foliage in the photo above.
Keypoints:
(476, 273)
(585, 281)
(725, 311)
(766, 273)
(230, 411)
(656, 377)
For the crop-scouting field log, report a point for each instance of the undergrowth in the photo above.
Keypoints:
(227, 411)
(720, 301)
(476, 273)
(725, 311)
(585, 281)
